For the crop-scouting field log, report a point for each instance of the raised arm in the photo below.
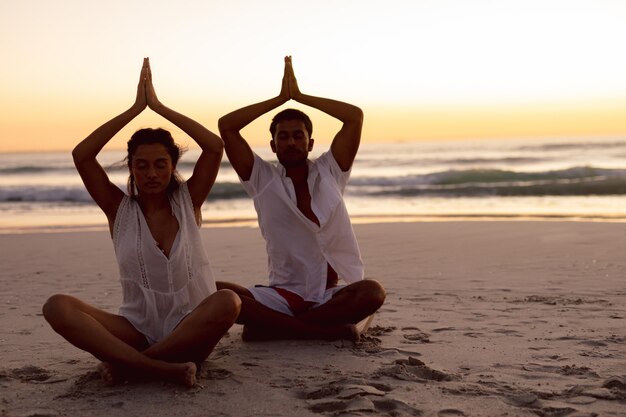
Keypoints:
(346, 142)
(208, 164)
(237, 149)
(106, 194)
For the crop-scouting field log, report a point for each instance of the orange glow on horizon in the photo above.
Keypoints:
(54, 131)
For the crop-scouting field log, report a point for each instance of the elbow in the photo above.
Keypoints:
(82, 154)
(353, 115)
(77, 155)
(223, 125)
(219, 146)
(357, 116)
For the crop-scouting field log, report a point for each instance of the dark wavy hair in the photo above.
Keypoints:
(150, 136)
(291, 114)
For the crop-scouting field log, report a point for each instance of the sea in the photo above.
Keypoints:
(539, 179)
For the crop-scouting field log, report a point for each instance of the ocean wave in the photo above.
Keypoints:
(36, 170)
(67, 167)
(494, 182)
(578, 181)
(576, 145)
(78, 194)
(44, 194)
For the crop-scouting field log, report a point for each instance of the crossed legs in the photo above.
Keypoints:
(115, 342)
(336, 319)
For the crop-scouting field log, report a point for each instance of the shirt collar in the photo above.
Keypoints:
(312, 169)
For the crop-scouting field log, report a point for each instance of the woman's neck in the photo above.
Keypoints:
(154, 203)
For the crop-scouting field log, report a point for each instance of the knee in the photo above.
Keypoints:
(374, 292)
(227, 306)
(57, 309)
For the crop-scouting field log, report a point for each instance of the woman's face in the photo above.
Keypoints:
(152, 168)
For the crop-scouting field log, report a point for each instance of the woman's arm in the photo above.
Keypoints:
(106, 194)
(208, 164)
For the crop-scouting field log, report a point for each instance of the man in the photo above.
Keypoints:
(303, 218)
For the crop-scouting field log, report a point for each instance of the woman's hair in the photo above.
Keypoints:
(150, 136)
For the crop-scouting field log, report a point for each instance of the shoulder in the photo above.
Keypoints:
(127, 206)
(327, 162)
(182, 198)
(262, 170)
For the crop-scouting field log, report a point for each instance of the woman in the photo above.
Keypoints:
(172, 316)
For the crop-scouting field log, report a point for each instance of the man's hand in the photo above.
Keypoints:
(294, 90)
(284, 88)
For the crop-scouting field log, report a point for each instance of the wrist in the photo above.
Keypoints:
(157, 106)
(137, 108)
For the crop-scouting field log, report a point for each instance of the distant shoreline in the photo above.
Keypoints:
(249, 222)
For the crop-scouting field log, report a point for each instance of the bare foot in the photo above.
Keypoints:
(346, 332)
(181, 373)
(188, 374)
(364, 324)
(107, 373)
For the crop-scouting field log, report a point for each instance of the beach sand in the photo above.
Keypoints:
(492, 318)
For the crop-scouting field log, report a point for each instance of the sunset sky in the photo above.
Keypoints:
(420, 69)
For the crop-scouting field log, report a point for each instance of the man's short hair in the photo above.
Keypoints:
(291, 114)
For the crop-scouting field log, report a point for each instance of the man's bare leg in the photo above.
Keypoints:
(262, 322)
(352, 304)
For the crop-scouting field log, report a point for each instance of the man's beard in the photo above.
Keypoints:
(293, 160)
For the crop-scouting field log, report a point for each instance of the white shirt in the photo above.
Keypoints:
(158, 292)
(299, 250)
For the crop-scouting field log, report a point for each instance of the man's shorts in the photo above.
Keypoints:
(288, 302)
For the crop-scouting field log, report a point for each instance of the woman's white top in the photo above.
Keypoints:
(159, 291)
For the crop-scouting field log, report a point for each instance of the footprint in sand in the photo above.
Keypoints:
(444, 329)
(379, 330)
(450, 412)
(615, 382)
(413, 369)
(350, 395)
(364, 404)
(214, 373)
(31, 373)
(416, 335)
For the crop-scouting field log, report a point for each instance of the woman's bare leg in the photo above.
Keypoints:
(110, 338)
(196, 336)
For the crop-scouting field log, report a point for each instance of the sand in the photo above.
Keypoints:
(497, 318)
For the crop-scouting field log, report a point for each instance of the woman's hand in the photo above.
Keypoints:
(151, 96)
(140, 101)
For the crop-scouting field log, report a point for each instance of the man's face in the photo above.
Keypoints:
(152, 168)
(291, 143)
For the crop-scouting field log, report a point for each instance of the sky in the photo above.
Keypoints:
(420, 69)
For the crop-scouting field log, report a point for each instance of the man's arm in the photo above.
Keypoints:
(237, 149)
(346, 142)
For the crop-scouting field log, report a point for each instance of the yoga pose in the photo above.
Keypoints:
(302, 216)
(171, 316)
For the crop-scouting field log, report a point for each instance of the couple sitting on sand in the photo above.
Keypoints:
(173, 313)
